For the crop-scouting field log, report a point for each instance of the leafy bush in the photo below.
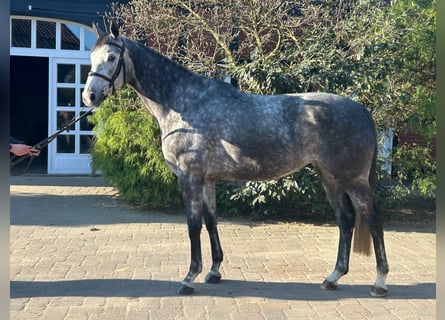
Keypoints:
(301, 191)
(418, 168)
(127, 150)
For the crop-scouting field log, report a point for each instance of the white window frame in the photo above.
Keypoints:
(75, 163)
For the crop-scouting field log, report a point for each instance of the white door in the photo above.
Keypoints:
(70, 152)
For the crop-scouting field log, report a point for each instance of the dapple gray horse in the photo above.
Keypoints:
(212, 131)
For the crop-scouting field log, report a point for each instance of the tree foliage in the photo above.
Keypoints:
(380, 54)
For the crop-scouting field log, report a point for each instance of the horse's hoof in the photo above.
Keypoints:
(185, 289)
(328, 285)
(378, 292)
(213, 278)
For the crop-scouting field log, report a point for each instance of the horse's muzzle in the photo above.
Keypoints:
(92, 99)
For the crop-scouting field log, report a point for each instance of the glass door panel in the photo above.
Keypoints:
(71, 152)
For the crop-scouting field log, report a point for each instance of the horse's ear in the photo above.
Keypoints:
(114, 29)
(97, 29)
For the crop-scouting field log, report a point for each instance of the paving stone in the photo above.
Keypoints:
(78, 253)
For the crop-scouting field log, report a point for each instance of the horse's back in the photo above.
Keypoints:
(334, 117)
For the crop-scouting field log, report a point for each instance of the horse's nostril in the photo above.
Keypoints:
(92, 97)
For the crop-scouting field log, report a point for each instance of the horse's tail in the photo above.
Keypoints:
(362, 236)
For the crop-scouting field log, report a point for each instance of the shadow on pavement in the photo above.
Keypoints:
(91, 209)
(227, 288)
(77, 210)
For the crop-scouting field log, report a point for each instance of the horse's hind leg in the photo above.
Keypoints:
(345, 214)
(209, 209)
(363, 201)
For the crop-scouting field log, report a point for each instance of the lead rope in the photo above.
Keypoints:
(15, 160)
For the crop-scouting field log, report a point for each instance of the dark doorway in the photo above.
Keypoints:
(29, 104)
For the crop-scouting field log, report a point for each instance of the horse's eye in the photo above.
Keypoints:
(111, 58)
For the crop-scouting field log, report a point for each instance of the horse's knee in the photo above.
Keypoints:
(194, 228)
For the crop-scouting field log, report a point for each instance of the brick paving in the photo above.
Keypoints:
(78, 253)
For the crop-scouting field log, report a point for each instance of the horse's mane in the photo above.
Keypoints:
(105, 38)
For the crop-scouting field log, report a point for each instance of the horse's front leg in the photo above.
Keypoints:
(191, 188)
(209, 209)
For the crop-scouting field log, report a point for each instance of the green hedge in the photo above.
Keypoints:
(127, 151)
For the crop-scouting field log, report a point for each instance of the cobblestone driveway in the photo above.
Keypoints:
(76, 253)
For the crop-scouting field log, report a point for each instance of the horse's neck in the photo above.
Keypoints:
(161, 81)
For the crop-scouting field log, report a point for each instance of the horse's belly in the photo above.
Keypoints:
(253, 169)
(219, 159)
(246, 175)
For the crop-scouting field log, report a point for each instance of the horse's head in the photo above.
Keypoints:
(107, 66)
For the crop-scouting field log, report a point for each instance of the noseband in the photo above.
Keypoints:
(120, 65)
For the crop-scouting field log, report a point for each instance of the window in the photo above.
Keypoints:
(43, 34)
(90, 39)
(66, 97)
(70, 37)
(21, 33)
(84, 70)
(66, 73)
(46, 35)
